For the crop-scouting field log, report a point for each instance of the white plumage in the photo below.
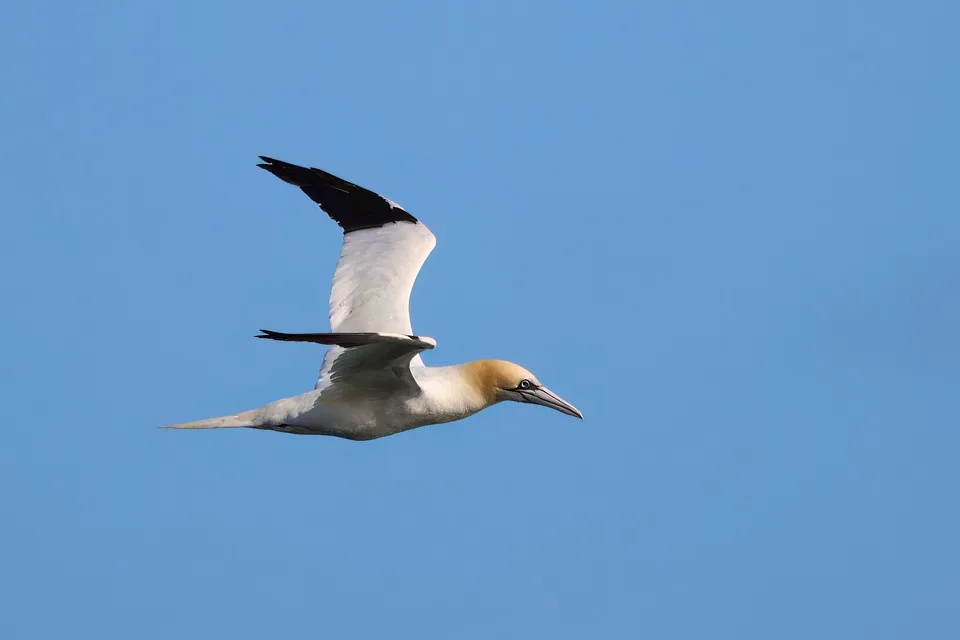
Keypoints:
(372, 381)
(375, 275)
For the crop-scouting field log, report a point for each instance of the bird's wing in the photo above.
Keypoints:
(349, 340)
(383, 250)
(381, 359)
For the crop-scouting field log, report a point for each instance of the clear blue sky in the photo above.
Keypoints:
(726, 231)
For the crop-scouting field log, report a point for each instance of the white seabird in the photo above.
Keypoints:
(372, 381)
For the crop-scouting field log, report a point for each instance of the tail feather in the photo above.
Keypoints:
(239, 420)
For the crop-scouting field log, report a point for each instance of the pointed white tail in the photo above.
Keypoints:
(243, 419)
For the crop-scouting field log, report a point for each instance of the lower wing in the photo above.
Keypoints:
(356, 354)
(348, 340)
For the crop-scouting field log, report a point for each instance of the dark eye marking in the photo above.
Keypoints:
(524, 385)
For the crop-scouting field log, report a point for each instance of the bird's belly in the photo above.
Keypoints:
(355, 420)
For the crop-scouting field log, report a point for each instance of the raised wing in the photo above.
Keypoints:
(383, 250)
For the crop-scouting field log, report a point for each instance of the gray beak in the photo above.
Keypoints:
(547, 398)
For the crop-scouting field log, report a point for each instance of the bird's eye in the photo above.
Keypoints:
(524, 384)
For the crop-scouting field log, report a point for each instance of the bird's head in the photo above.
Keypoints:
(501, 380)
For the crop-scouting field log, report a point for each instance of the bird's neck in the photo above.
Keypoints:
(456, 391)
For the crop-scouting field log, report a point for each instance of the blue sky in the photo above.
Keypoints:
(726, 231)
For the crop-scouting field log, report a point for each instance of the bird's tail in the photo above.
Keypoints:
(244, 419)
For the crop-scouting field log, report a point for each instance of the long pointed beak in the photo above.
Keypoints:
(547, 398)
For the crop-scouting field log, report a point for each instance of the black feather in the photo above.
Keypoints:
(349, 205)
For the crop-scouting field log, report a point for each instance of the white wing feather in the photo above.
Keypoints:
(375, 275)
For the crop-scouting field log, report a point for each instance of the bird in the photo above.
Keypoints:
(373, 382)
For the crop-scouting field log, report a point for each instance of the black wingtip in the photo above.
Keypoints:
(278, 167)
(351, 206)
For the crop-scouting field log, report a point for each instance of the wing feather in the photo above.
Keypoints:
(375, 276)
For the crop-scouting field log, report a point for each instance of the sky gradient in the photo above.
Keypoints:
(727, 232)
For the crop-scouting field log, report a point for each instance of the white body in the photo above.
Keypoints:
(372, 382)
(359, 412)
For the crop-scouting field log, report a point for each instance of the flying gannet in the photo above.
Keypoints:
(372, 381)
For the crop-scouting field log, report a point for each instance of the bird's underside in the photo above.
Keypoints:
(368, 390)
